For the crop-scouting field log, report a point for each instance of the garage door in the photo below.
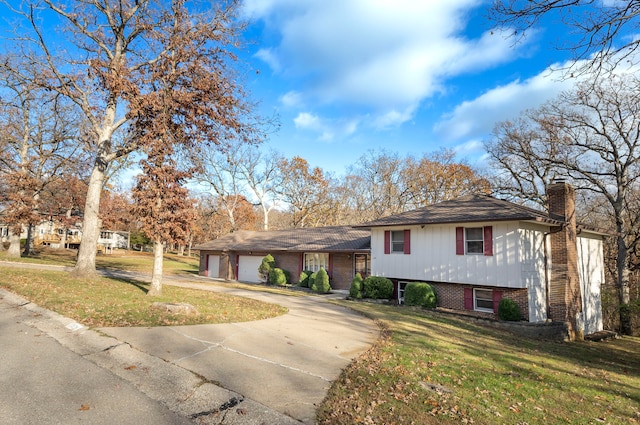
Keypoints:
(248, 268)
(213, 266)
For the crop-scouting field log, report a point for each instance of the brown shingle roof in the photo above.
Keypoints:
(467, 209)
(308, 239)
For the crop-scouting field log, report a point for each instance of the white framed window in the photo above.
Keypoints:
(397, 241)
(474, 240)
(483, 300)
(314, 261)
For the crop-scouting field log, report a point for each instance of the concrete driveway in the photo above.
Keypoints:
(286, 363)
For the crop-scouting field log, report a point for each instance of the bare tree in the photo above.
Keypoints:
(604, 30)
(118, 50)
(260, 172)
(37, 145)
(591, 136)
(381, 183)
(221, 173)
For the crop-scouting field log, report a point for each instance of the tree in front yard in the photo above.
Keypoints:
(110, 63)
(162, 206)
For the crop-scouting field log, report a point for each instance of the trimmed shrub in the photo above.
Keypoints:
(304, 278)
(321, 282)
(265, 267)
(509, 310)
(355, 291)
(312, 281)
(378, 288)
(421, 294)
(277, 277)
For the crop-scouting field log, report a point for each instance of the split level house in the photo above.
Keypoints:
(477, 249)
(473, 250)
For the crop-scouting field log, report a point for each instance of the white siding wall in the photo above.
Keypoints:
(591, 273)
(433, 257)
(532, 262)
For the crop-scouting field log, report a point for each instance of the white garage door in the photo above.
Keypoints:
(213, 266)
(248, 268)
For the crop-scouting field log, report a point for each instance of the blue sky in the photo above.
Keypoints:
(406, 76)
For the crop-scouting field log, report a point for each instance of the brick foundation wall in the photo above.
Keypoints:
(451, 296)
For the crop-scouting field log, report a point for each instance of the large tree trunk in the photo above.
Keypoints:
(28, 245)
(623, 287)
(86, 263)
(14, 245)
(155, 290)
(265, 217)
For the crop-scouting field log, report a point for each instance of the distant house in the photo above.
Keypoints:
(477, 250)
(48, 233)
(111, 239)
(341, 251)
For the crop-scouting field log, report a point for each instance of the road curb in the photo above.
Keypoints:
(180, 390)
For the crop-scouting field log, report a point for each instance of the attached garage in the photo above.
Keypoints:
(248, 268)
(213, 266)
(341, 250)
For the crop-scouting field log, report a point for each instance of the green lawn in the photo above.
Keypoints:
(428, 368)
(431, 368)
(119, 260)
(123, 302)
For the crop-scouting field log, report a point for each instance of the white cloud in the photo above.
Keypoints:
(328, 129)
(476, 118)
(307, 121)
(386, 57)
(291, 99)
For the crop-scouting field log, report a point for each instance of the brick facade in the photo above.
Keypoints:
(341, 273)
(451, 296)
(565, 302)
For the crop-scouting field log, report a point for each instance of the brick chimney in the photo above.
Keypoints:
(565, 300)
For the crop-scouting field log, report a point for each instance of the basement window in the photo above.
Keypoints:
(483, 300)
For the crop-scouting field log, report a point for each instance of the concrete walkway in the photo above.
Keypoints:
(286, 363)
(274, 371)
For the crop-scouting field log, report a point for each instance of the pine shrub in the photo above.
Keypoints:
(265, 267)
(420, 294)
(304, 278)
(377, 287)
(321, 282)
(509, 310)
(277, 276)
(312, 281)
(355, 291)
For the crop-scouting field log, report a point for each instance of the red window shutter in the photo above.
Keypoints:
(459, 240)
(468, 298)
(301, 263)
(488, 240)
(497, 296)
(387, 242)
(407, 241)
